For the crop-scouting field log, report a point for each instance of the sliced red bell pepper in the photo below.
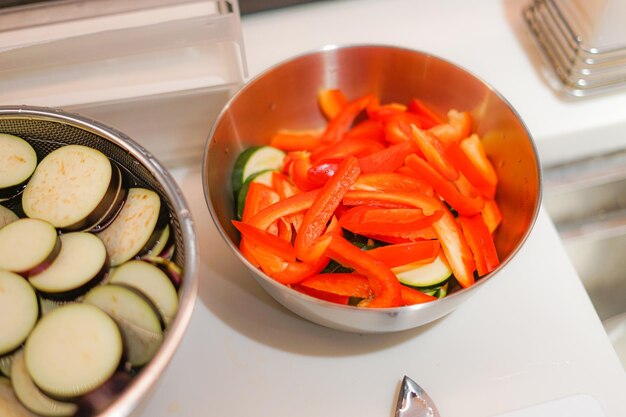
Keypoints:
(368, 129)
(434, 152)
(398, 127)
(474, 175)
(296, 140)
(283, 271)
(348, 284)
(455, 248)
(356, 146)
(391, 181)
(475, 151)
(285, 230)
(430, 117)
(385, 286)
(331, 102)
(322, 171)
(412, 296)
(259, 197)
(272, 243)
(299, 174)
(383, 221)
(283, 208)
(406, 253)
(283, 186)
(480, 242)
(427, 233)
(339, 125)
(376, 111)
(388, 159)
(322, 209)
(429, 205)
(322, 295)
(443, 187)
(491, 215)
(458, 127)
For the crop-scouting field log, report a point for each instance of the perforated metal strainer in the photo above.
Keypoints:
(48, 129)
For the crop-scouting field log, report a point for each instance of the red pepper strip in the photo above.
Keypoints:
(473, 148)
(296, 140)
(458, 127)
(322, 209)
(367, 129)
(322, 295)
(299, 174)
(383, 221)
(412, 296)
(429, 205)
(259, 237)
(491, 215)
(430, 117)
(427, 233)
(320, 173)
(331, 102)
(391, 181)
(406, 253)
(283, 208)
(398, 127)
(339, 125)
(283, 186)
(247, 253)
(285, 230)
(471, 171)
(389, 159)
(348, 284)
(376, 111)
(446, 189)
(434, 151)
(480, 242)
(259, 197)
(455, 248)
(385, 286)
(348, 146)
(283, 271)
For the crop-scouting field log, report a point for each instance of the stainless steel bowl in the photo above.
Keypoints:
(47, 129)
(285, 97)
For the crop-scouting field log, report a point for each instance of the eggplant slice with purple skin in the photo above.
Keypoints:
(137, 227)
(80, 265)
(74, 188)
(6, 216)
(28, 246)
(18, 161)
(9, 404)
(19, 311)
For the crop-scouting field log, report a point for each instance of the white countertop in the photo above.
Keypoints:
(528, 337)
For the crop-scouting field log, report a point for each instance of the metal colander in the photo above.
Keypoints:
(48, 129)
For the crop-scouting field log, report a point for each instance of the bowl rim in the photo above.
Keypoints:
(330, 48)
(140, 386)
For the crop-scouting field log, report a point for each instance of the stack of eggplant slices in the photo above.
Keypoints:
(87, 282)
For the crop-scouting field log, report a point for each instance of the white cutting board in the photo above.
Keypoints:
(575, 406)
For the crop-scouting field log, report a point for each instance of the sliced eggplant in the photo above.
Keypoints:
(73, 350)
(80, 265)
(28, 246)
(6, 216)
(10, 406)
(72, 187)
(136, 316)
(135, 227)
(161, 242)
(152, 282)
(19, 311)
(5, 364)
(31, 397)
(18, 161)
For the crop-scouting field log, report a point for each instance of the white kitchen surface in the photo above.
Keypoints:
(530, 338)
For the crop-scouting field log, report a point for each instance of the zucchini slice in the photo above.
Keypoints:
(73, 350)
(134, 227)
(81, 263)
(152, 282)
(253, 160)
(10, 406)
(6, 216)
(264, 177)
(19, 311)
(28, 246)
(18, 161)
(420, 275)
(72, 187)
(136, 317)
(31, 397)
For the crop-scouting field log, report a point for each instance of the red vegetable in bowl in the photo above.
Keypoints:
(377, 209)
